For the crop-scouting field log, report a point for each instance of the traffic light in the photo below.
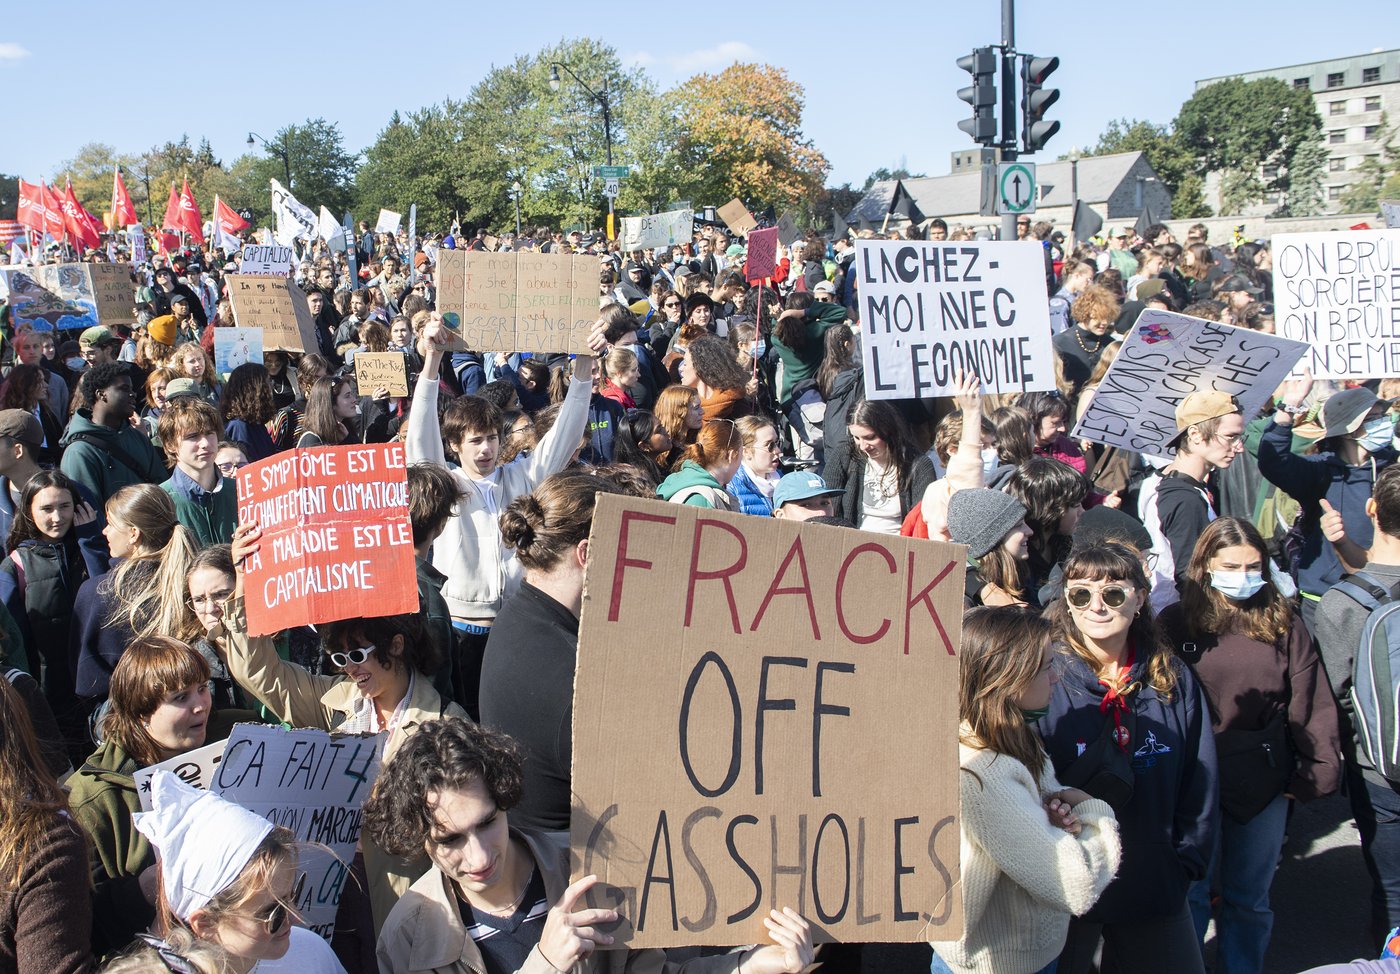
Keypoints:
(981, 95)
(1036, 100)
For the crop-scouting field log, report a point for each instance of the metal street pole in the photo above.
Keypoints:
(1008, 102)
(1073, 195)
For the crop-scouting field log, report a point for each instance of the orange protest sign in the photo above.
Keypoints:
(336, 542)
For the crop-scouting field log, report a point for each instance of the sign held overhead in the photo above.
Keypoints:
(932, 309)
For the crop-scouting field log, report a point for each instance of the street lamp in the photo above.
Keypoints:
(515, 195)
(1074, 155)
(601, 99)
(279, 150)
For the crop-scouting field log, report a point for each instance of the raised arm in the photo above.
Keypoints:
(424, 441)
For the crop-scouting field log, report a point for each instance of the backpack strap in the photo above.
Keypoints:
(116, 452)
(1367, 590)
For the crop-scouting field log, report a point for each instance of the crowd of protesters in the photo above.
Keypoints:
(1156, 657)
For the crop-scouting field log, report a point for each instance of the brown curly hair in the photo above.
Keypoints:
(444, 754)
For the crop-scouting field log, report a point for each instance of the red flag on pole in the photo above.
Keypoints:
(172, 210)
(53, 211)
(123, 213)
(76, 220)
(228, 219)
(190, 219)
(32, 212)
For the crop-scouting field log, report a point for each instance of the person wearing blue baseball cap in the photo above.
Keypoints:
(803, 495)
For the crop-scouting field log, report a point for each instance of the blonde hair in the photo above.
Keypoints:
(150, 603)
(142, 957)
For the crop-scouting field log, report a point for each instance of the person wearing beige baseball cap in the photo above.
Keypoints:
(1177, 506)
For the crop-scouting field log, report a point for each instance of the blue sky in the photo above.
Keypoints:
(880, 76)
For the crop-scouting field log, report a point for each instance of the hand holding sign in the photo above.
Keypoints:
(571, 934)
(791, 950)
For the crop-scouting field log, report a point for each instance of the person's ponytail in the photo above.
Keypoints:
(716, 440)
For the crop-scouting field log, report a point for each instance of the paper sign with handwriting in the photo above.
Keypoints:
(277, 306)
(518, 301)
(381, 370)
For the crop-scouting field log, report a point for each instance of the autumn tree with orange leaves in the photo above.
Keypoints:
(741, 135)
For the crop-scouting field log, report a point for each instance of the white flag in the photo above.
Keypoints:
(294, 220)
(327, 227)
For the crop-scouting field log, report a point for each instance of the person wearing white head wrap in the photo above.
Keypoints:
(229, 876)
(196, 869)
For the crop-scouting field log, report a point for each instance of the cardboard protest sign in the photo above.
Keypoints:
(71, 296)
(736, 216)
(518, 301)
(195, 768)
(237, 346)
(1390, 211)
(277, 306)
(1340, 294)
(733, 772)
(381, 370)
(260, 259)
(762, 254)
(336, 539)
(657, 230)
(1168, 356)
(313, 783)
(787, 230)
(931, 309)
(113, 292)
(136, 237)
(388, 222)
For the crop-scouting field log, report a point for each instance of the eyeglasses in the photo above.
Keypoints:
(274, 917)
(355, 656)
(209, 601)
(174, 962)
(671, 304)
(232, 466)
(1113, 596)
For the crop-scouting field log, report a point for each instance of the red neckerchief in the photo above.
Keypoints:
(1116, 702)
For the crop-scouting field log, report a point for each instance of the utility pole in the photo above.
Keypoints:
(1008, 101)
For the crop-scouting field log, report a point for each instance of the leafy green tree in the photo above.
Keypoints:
(322, 171)
(1168, 157)
(1237, 128)
(884, 175)
(1378, 176)
(416, 159)
(9, 196)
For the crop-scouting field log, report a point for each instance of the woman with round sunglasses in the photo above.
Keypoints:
(385, 683)
(230, 878)
(1274, 719)
(1128, 723)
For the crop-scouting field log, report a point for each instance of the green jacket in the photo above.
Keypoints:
(802, 364)
(210, 515)
(103, 798)
(97, 468)
(696, 487)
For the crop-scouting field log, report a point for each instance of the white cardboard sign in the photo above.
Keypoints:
(1340, 294)
(261, 259)
(1168, 356)
(931, 309)
(657, 230)
(388, 222)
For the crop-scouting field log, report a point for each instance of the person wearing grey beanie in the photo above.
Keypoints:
(993, 526)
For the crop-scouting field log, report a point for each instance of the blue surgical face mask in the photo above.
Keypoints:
(1237, 585)
(75, 364)
(759, 347)
(990, 461)
(1376, 434)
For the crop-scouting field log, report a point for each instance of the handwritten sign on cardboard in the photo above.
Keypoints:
(762, 259)
(1339, 293)
(277, 306)
(195, 768)
(1168, 356)
(113, 293)
(237, 346)
(336, 537)
(314, 783)
(381, 370)
(931, 309)
(261, 259)
(794, 653)
(388, 222)
(518, 301)
(788, 231)
(657, 230)
(736, 216)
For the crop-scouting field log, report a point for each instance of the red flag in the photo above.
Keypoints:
(172, 210)
(53, 211)
(190, 219)
(227, 218)
(123, 213)
(76, 220)
(169, 243)
(32, 212)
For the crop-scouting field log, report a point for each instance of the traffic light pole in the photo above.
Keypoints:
(1008, 101)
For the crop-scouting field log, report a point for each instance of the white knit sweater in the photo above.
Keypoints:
(1022, 877)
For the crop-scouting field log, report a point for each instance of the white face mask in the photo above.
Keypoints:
(990, 461)
(1237, 585)
(1376, 435)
